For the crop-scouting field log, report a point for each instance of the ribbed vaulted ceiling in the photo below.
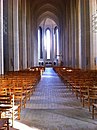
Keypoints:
(52, 9)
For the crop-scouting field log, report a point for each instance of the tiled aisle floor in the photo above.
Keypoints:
(54, 107)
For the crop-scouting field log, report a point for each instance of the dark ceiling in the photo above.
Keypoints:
(48, 9)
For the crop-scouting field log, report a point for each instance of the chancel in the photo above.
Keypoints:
(48, 64)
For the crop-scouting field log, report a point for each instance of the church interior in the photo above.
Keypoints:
(48, 64)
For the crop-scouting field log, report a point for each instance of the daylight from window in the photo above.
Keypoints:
(48, 43)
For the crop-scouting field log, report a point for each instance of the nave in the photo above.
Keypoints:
(54, 107)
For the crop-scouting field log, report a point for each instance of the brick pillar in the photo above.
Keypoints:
(93, 34)
(10, 35)
(1, 38)
(16, 34)
(24, 34)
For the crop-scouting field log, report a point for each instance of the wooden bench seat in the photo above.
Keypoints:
(8, 109)
(94, 110)
(4, 123)
(91, 96)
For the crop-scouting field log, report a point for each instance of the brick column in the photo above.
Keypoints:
(93, 34)
(16, 34)
(20, 34)
(24, 35)
(85, 43)
(10, 35)
(29, 46)
(1, 38)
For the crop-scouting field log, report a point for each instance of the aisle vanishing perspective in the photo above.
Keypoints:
(53, 107)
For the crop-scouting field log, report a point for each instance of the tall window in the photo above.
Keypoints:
(48, 43)
(40, 52)
(57, 41)
(38, 43)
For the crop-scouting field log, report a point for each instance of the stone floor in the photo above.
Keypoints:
(54, 107)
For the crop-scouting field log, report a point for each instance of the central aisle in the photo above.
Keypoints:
(53, 107)
(49, 93)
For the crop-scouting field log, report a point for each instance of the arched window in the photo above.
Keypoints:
(40, 52)
(57, 32)
(56, 41)
(48, 41)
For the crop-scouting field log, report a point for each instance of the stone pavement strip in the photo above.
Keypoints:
(54, 107)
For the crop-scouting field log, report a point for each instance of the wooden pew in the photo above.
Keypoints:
(8, 109)
(4, 123)
(91, 96)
